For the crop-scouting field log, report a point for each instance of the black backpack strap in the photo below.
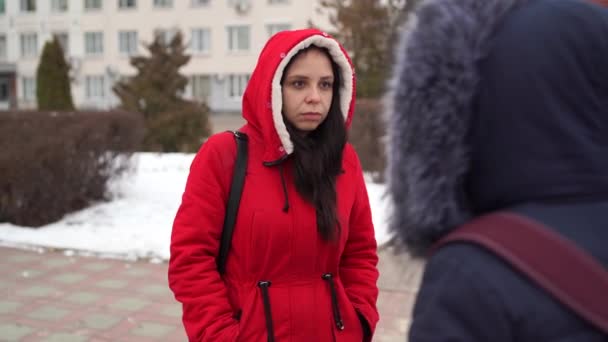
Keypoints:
(234, 199)
(554, 263)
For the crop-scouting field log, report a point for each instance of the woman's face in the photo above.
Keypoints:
(307, 90)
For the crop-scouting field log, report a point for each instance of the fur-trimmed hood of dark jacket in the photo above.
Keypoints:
(460, 113)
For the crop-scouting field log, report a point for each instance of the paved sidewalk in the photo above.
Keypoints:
(50, 296)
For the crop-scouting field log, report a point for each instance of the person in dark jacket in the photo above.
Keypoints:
(302, 264)
(498, 105)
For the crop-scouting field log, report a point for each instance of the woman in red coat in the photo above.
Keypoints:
(302, 264)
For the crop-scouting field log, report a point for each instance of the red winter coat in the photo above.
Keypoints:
(270, 244)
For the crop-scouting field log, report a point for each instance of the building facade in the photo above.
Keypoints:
(224, 38)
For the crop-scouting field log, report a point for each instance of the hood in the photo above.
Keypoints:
(495, 103)
(262, 100)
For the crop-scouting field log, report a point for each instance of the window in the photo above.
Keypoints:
(199, 3)
(163, 3)
(201, 87)
(238, 38)
(28, 6)
(165, 35)
(59, 5)
(92, 5)
(4, 82)
(3, 52)
(274, 28)
(64, 41)
(28, 85)
(29, 45)
(94, 87)
(200, 40)
(236, 85)
(2, 7)
(127, 42)
(127, 4)
(93, 43)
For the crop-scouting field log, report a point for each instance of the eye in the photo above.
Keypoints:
(297, 84)
(326, 85)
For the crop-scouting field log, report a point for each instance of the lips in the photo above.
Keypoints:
(311, 116)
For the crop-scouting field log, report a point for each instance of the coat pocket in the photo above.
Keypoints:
(353, 328)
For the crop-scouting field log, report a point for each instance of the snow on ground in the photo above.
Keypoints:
(137, 223)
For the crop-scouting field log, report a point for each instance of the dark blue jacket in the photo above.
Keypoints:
(498, 105)
(469, 294)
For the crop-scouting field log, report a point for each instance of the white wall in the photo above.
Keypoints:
(145, 19)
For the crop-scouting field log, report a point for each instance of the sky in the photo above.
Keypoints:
(136, 223)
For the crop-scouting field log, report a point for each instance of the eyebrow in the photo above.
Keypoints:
(306, 77)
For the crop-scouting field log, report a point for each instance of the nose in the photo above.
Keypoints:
(314, 95)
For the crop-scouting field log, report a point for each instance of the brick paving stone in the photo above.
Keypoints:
(21, 258)
(69, 278)
(30, 273)
(390, 338)
(172, 311)
(133, 302)
(65, 337)
(96, 266)
(130, 304)
(7, 306)
(57, 262)
(151, 329)
(37, 291)
(4, 283)
(99, 321)
(112, 284)
(14, 332)
(82, 297)
(48, 313)
(179, 335)
(154, 289)
(137, 272)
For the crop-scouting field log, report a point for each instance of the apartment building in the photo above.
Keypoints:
(224, 38)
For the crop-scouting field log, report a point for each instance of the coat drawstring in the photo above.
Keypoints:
(264, 285)
(286, 206)
(334, 301)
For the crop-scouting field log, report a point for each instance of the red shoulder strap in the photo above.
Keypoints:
(559, 266)
(601, 2)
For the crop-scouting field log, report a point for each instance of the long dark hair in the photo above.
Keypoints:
(317, 157)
